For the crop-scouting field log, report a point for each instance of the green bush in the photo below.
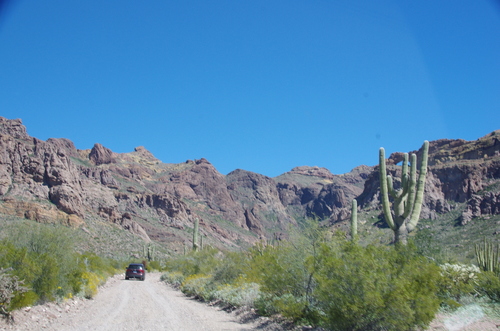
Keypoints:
(195, 262)
(489, 285)
(376, 288)
(198, 285)
(284, 279)
(23, 299)
(174, 278)
(10, 286)
(46, 281)
(457, 280)
(230, 268)
(285, 273)
(154, 265)
(44, 258)
(311, 280)
(237, 295)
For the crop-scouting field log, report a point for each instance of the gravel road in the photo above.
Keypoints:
(128, 305)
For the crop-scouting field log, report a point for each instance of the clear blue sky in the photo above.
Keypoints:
(263, 86)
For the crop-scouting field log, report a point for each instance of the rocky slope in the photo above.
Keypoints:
(53, 182)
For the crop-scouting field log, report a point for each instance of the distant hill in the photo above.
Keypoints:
(153, 202)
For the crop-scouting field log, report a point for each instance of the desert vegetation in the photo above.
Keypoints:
(39, 264)
(361, 276)
(320, 279)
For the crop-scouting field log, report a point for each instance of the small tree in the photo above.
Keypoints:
(376, 288)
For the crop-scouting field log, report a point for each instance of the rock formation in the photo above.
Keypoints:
(53, 182)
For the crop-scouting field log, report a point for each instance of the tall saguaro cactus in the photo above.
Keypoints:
(196, 246)
(354, 221)
(149, 251)
(407, 200)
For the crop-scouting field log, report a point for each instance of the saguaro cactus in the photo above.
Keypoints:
(407, 200)
(354, 221)
(149, 251)
(487, 256)
(195, 234)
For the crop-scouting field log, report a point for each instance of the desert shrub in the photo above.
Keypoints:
(23, 299)
(154, 265)
(198, 285)
(237, 295)
(10, 287)
(44, 258)
(174, 278)
(489, 285)
(285, 274)
(75, 280)
(277, 270)
(195, 262)
(457, 280)
(230, 268)
(39, 271)
(20, 261)
(44, 241)
(285, 280)
(92, 271)
(90, 282)
(94, 263)
(47, 280)
(290, 306)
(308, 279)
(376, 288)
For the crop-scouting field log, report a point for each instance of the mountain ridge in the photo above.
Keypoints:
(53, 182)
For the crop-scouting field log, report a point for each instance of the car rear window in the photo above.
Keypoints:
(135, 266)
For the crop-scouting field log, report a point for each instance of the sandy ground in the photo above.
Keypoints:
(152, 305)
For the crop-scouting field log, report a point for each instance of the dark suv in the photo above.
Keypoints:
(135, 270)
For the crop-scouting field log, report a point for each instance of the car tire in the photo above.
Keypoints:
(126, 278)
(143, 278)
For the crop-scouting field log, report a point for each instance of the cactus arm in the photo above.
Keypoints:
(404, 170)
(384, 194)
(405, 178)
(390, 187)
(419, 194)
(354, 220)
(412, 184)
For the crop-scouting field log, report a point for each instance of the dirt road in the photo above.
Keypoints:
(129, 305)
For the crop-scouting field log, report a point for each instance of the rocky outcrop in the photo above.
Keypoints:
(13, 128)
(312, 171)
(258, 198)
(312, 192)
(200, 182)
(101, 155)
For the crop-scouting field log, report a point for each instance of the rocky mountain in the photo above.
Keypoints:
(53, 182)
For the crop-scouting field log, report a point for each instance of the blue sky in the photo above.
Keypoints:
(263, 86)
